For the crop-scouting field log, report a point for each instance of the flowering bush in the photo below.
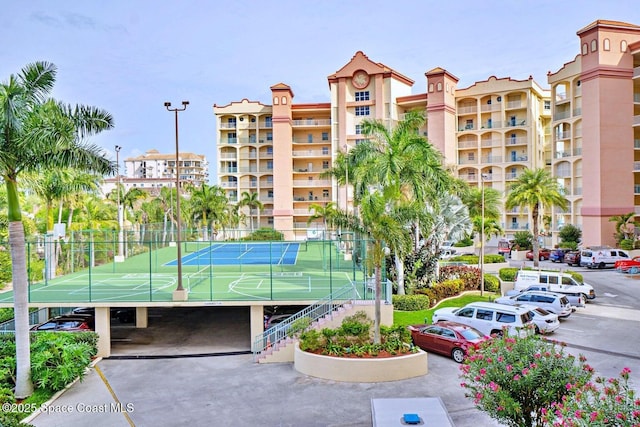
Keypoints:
(601, 403)
(514, 380)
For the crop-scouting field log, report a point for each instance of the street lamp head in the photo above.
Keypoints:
(167, 104)
(185, 103)
(118, 148)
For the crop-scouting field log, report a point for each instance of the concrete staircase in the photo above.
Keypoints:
(283, 350)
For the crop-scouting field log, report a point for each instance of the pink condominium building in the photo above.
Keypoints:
(584, 128)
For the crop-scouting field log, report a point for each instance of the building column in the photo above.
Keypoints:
(103, 329)
(142, 317)
(256, 322)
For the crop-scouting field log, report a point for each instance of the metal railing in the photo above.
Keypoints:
(323, 307)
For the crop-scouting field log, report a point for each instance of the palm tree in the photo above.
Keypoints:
(491, 210)
(535, 189)
(625, 225)
(209, 206)
(326, 211)
(405, 165)
(39, 133)
(128, 202)
(251, 200)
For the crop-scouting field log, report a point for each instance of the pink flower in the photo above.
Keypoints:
(537, 356)
(509, 368)
(493, 386)
(516, 377)
(593, 416)
(483, 371)
(568, 386)
(525, 371)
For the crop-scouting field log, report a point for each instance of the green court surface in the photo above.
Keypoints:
(151, 276)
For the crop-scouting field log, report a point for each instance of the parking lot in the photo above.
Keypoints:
(234, 391)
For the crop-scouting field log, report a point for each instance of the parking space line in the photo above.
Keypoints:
(113, 394)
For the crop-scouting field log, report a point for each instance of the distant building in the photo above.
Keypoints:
(153, 170)
(585, 130)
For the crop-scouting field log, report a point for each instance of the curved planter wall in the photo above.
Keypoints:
(360, 370)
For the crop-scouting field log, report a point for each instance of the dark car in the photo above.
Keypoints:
(557, 255)
(447, 338)
(542, 254)
(70, 323)
(572, 258)
(123, 314)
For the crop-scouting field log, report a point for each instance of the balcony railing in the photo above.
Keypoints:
(577, 112)
(311, 122)
(228, 156)
(467, 144)
(490, 107)
(493, 124)
(229, 184)
(311, 153)
(266, 124)
(577, 191)
(517, 140)
(231, 125)
(468, 109)
(491, 159)
(515, 104)
(468, 161)
(561, 115)
(467, 127)
(518, 226)
(311, 183)
(562, 135)
(491, 142)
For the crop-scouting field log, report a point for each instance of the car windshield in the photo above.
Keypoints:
(470, 334)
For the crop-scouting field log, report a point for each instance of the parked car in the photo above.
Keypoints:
(572, 258)
(123, 314)
(70, 323)
(556, 281)
(576, 299)
(542, 255)
(447, 338)
(557, 255)
(600, 257)
(631, 266)
(555, 303)
(545, 322)
(488, 317)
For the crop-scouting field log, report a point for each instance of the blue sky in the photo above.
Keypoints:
(129, 57)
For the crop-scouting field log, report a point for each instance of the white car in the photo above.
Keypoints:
(489, 318)
(544, 321)
(555, 303)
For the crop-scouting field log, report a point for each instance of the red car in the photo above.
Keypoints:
(70, 323)
(631, 266)
(542, 255)
(447, 338)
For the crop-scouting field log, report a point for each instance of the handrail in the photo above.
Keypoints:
(314, 312)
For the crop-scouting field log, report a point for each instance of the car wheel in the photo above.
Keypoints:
(457, 354)
(601, 265)
(584, 297)
(633, 270)
(537, 330)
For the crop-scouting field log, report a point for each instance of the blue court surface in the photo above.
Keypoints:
(285, 253)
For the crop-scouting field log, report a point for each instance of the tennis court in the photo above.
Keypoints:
(211, 271)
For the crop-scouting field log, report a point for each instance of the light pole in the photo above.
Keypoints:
(180, 292)
(120, 257)
(483, 176)
(346, 187)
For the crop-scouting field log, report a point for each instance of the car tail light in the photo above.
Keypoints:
(549, 321)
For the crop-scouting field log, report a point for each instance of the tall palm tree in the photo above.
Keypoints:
(209, 205)
(625, 225)
(128, 201)
(490, 211)
(535, 189)
(326, 211)
(251, 200)
(405, 165)
(39, 133)
(383, 230)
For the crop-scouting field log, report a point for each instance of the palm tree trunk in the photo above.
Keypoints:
(536, 246)
(378, 297)
(399, 262)
(24, 387)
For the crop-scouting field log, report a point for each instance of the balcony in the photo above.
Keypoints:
(577, 191)
(467, 127)
(490, 107)
(229, 184)
(468, 161)
(515, 104)
(468, 177)
(228, 156)
(562, 154)
(231, 125)
(636, 97)
(518, 226)
(492, 125)
(467, 144)
(511, 176)
(312, 183)
(470, 109)
(310, 123)
(310, 141)
(636, 166)
(515, 123)
(577, 112)
(310, 153)
(266, 124)
(517, 140)
(491, 142)
(491, 159)
(561, 115)
(562, 135)
(228, 170)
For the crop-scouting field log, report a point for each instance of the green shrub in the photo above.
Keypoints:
(410, 302)
(491, 283)
(568, 245)
(523, 240)
(299, 325)
(58, 358)
(626, 244)
(467, 241)
(508, 274)
(265, 234)
(311, 340)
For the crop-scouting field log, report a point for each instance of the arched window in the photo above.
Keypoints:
(439, 87)
(585, 49)
(284, 100)
(623, 46)
(606, 44)
(430, 87)
(275, 100)
(594, 45)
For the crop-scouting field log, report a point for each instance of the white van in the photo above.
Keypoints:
(558, 282)
(601, 257)
(489, 318)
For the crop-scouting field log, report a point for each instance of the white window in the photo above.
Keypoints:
(362, 95)
(362, 111)
(358, 129)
